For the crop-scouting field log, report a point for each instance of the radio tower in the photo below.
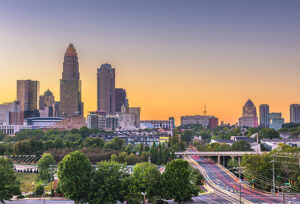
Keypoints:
(204, 109)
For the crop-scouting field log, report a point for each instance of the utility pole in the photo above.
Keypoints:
(282, 189)
(240, 185)
(273, 161)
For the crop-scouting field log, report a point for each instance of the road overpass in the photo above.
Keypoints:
(217, 154)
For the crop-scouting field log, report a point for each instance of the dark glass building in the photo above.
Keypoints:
(106, 89)
(70, 85)
(264, 119)
(121, 99)
(28, 96)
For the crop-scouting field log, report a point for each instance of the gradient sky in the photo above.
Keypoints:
(172, 57)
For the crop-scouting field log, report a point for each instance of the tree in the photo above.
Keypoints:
(144, 157)
(131, 159)
(205, 135)
(93, 143)
(241, 146)
(268, 133)
(84, 132)
(146, 179)
(177, 181)
(106, 181)
(29, 146)
(187, 136)
(232, 163)
(2, 136)
(116, 143)
(74, 173)
(44, 166)
(9, 185)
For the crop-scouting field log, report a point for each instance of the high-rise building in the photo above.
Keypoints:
(10, 114)
(276, 121)
(294, 113)
(70, 86)
(249, 116)
(106, 89)
(28, 94)
(47, 104)
(264, 115)
(120, 99)
(137, 112)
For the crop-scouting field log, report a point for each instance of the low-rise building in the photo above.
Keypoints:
(203, 120)
(271, 144)
(168, 124)
(13, 129)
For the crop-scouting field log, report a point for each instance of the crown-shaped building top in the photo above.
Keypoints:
(71, 51)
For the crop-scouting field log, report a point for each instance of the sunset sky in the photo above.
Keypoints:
(171, 56)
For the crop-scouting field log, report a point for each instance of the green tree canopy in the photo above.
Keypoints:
(268, 133)
(146, 179)
(74, 173)
(9, 185)
(93, 143)
(116, 143)
(44, 166)
(177, 181)
(106, 183)
(241, 146)
(187, 136)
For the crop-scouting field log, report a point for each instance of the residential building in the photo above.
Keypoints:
(213, 122)
(271, 144)
(106, 89)
(295, 113)
(249, 116)
(70, 86)
(202, 120)
(103, 121)
(264, 115)
(168, 124)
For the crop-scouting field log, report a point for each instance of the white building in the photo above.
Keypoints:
(271, 144)
(13, 129)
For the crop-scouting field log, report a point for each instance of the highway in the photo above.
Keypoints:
(223, 186)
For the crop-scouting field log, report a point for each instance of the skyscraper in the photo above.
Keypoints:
(47, 104)
(106, 89)
(121, 99)
(264, 115)
(249, 116)
(28, 96)
(294, 113)
(70, 85)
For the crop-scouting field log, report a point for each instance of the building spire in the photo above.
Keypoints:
(71, 51)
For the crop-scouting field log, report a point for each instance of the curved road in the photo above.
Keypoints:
(222, 183)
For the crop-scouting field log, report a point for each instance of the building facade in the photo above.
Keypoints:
(11, 114)
(120, 99)
(70, 86)
(28, 96)
(202, 120)
(249, 116)
(106, 89)
(168, 124)
(295, 113)
(264, 115)
(47, 104)
(276, 121)
(137, 112)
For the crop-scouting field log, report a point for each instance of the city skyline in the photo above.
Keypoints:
(162, 73)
